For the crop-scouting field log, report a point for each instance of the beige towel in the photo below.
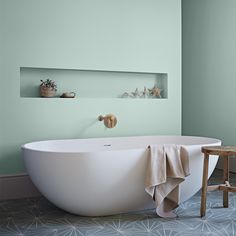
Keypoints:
(168, 165)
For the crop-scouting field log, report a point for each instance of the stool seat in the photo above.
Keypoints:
(220, 150)
(223, 152)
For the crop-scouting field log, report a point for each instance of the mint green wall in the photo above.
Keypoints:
(124, 35)
(209, 69)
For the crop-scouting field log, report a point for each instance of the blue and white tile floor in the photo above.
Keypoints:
(38, 217)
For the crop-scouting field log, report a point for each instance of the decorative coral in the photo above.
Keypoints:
(155, 92)
(145, 93)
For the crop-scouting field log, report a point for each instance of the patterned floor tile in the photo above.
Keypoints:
(38, 217)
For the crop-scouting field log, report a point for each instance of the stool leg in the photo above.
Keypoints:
(226, 178)
(204, 185)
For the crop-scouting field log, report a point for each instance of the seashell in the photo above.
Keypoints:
(68, 95)
(125, 95)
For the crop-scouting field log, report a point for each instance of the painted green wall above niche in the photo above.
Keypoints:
(107, 35)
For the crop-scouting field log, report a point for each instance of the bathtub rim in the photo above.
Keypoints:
(26, 146)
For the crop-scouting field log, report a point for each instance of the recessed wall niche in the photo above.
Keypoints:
(91, 83)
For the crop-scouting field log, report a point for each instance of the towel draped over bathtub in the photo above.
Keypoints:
(167, 167)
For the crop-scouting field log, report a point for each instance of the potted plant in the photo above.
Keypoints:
(48, 88)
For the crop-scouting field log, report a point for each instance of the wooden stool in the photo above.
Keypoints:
(223, 152)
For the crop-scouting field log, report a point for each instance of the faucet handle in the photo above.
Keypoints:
(109, 120)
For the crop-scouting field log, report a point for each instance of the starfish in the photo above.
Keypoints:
(155, 91)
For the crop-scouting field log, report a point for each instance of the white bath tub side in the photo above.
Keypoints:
(104, 176)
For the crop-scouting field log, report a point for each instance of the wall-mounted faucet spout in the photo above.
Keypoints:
(109, 120)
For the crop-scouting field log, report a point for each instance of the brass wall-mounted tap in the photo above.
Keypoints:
(109, 120)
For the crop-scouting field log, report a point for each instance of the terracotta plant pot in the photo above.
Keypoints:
(47, 92)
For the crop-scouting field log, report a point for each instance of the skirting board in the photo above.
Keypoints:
(17, 186)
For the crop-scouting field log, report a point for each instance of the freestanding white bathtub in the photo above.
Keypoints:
(104, 176)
